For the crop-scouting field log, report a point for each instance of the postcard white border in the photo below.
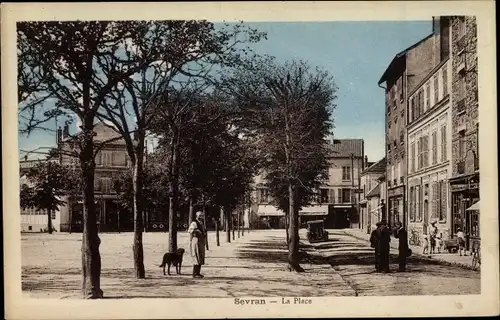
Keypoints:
(486, 303)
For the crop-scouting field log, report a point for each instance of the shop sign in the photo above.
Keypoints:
(459, 187)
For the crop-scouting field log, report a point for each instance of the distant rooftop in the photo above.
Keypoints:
(344, 148)
(377, 167)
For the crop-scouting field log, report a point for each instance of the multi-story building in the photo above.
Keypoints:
(429, 145)
(464, 184)
(33, 220)
(406, 70)
(338, 197)
(371, 196)
(111, 161)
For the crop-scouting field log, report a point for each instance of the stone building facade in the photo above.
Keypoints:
(406, 70)
(338, 197)
(464, 184)
(111, 161)
(429, 152)
(371, 198)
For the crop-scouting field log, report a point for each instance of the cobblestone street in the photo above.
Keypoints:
(253, 265)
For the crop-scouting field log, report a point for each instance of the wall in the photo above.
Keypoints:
(465, 65)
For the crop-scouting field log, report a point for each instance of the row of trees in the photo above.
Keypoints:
(222, 113)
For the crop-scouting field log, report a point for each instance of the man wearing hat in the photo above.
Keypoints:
(384, 239)
(403, 248)
(433, 232)
(197, 233)
(374, 238)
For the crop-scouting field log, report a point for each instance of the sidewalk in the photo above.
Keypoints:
(445, 258)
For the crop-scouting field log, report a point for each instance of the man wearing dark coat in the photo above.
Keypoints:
(374, 238)
(384, 236)
(401, 234)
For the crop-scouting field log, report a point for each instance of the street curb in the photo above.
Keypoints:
(424, 257)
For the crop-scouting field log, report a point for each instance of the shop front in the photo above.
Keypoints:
(465, 207)
(396, 206)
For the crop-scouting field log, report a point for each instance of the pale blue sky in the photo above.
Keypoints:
(355, 53)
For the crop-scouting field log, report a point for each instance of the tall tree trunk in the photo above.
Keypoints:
(293, 244)
(287, 225)
(228, 228)
(243, 223)
(232, 226)
(191, 209)
(217, 232)
(173, 194)
(238, 222)
(49, 221)
(91, 259)
(205, 223)
(137, 181)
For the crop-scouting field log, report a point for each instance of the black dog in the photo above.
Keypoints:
(170, 258)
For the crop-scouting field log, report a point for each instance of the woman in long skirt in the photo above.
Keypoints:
(198, 234)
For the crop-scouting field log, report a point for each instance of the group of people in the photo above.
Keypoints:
(380, 240)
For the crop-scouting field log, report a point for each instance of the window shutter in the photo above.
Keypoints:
(434, 213)
(444, 200)
(332, 196)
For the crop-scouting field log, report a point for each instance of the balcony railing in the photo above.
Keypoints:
(461, 106)
(461, 167)
(461, 43)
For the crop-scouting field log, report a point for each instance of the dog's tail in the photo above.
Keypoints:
(162, 265)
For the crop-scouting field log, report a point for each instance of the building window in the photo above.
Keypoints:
(53, 214)
(444, 148)
(443, 200)
(346, 195)
(323, 195)
(434, 201)
(346, 173)
(412, 157)
(461, 27)
(445, 81)
(412, 204)
(427, 96)
(474, 225)
(461, 146)
(434, 148)
(462, 91)
(106, 185)
(436, 89)
(264, 196)
(418, 193)
(425, 151)
(331, 195)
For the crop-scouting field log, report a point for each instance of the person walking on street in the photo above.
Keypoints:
(374, 238)
(401, 234)
(384, 237)
(461, 241)
(197, 234)
(433, 232)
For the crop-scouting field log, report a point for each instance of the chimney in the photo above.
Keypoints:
(59, 134)
(65, 133)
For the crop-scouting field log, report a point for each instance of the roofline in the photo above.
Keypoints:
(400, 55)
(373, 165)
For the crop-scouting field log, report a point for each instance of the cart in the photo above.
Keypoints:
(316, 231)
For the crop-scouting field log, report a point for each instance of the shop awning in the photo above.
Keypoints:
(272, 211)
(314, 210)
(474, 207)
(269, 211)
